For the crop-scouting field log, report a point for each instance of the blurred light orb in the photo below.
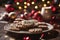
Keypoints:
(36, 7)
(26, 38)
(28, 4)
(25, 10)
(17, 3)
(7, 5)
(59, 5)
(6, 36)
(53, 17)
(43, 0)
(20, 7)
(33, 3)
(25, 2)
(25, 6)
(45, 5)
(48, 2)
(21, 15)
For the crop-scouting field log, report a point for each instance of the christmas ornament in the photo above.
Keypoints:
(9, 8)
(53, 9)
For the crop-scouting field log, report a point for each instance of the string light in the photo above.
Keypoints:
(59, 5)
(17, 3)
(45, 5)
(28, 4)
(36, 7)
(25, 10)
(43, 0)
(7, 5)
(20, 7)
(21, 15)
(25, 6)
(32, 3)
(48, 2)
(25, 2)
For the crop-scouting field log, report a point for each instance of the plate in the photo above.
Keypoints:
(7, 28)
(3, 22)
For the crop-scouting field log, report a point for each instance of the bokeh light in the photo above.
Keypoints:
(33, 3)
(45, 5)
(25, 10)
(43, 0)
(36, 7)
(17, 3)
(48, 2)
(20, 7)
(25, 6)
(26, 38)
(25, 2)
(6, 36)
(7, 5)
(28, 4)
(59, 5)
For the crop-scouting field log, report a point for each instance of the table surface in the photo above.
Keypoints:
(52, 35)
